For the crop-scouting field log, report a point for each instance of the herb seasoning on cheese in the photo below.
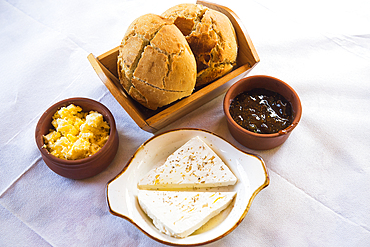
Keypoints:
(180, 213)
(77, 134)
(193, 165)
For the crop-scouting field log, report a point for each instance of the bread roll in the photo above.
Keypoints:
(155, 63)
(211, 37)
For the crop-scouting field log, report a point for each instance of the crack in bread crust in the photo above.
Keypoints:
(129, 71)
(199, 16)
(156, 61)
(169, 56)
(169, 67)
(212, 39)
(158, 88)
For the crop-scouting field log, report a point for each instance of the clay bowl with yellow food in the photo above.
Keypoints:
(77, 138)
(261, 111)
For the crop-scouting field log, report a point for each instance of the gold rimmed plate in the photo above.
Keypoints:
(248, 168)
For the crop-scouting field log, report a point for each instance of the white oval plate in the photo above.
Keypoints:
(249, 169)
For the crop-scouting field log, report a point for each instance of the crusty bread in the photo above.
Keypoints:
(211, 37)
(155, 63)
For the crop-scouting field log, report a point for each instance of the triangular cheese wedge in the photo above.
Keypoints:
(193, 165)
(180, 213)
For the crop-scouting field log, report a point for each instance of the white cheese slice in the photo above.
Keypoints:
(180, 213)
(193, 165)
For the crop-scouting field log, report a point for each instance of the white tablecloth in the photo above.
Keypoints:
(320, 177)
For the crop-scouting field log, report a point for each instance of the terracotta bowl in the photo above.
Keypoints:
(86, 167)
(258, 141)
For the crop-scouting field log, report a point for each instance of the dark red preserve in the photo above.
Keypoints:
(261, 111)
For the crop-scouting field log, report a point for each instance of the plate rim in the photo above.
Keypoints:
(254, 194)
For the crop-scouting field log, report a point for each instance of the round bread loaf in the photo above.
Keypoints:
(155, 63)
(211, 37)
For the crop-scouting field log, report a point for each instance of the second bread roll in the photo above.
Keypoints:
(211, 37)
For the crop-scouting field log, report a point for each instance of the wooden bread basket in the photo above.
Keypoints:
(105, 66)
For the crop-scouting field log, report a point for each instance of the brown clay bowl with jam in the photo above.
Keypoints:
(257, 140)
(85, 167)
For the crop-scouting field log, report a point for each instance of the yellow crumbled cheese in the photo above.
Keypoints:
(77, 134)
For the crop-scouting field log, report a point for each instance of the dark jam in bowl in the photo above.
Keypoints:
(261, 111)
